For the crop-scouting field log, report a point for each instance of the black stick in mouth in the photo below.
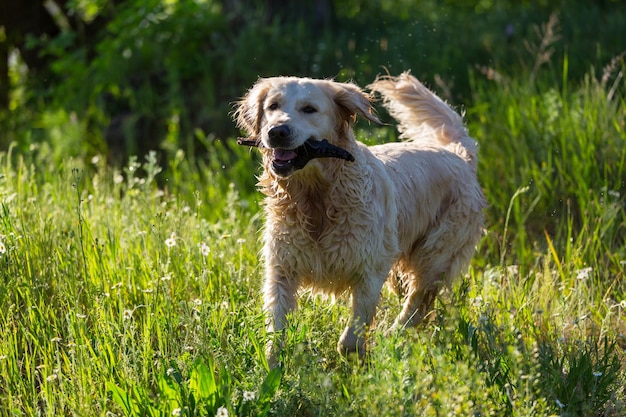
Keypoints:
(311, 149)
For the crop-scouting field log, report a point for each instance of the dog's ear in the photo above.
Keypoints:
(352, 102)
(249, 110)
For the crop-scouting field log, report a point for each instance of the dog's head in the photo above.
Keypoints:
(284, 113)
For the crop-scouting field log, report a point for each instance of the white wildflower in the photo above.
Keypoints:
(204, 248)
(52, 377)
(597, 374)
(249, 395)
(170, 371)
(221, 412)
(128, 314)
(177, 412)
(583, 274)
(512, 269)
(3, 248)
(171, 241)
(476, 301)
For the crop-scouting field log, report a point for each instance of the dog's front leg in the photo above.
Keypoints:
(365, 296)
(279, 297)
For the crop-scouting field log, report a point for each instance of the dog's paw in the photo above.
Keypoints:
(273, 350)
(351, 342)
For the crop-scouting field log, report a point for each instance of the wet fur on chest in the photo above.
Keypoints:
(312, 231)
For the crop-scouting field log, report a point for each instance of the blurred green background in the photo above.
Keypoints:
(137, 75)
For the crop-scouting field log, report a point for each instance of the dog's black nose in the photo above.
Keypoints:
(279, 135)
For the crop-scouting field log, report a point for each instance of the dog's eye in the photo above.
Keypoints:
(273, 106)
(309, 109)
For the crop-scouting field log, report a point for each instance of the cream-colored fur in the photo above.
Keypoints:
(409, 213)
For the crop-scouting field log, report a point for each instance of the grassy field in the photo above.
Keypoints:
(136, 292)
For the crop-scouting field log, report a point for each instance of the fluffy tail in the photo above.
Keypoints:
(424, 116)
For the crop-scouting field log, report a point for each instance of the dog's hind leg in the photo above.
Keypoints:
(441, 255)
(417, 304)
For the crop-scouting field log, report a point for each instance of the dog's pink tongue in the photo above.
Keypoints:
(284, 155)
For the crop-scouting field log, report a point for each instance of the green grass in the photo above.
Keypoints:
(136, 292)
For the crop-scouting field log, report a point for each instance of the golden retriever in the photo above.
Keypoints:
(342, 216)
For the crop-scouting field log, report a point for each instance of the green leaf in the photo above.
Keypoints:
(202, 382)
(269, 388)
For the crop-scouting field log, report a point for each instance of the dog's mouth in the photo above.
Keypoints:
(285, 161)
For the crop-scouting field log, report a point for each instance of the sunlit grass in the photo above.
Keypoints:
(136, 291)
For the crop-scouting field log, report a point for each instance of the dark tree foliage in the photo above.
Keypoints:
(154, 74)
